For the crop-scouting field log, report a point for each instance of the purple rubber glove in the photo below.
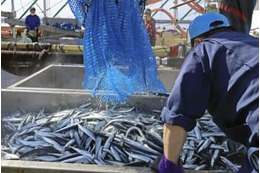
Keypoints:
(166, 166)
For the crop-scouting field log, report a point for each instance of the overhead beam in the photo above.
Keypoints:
(184, 3)
(195, 6)
(169, 21)
(153, 1)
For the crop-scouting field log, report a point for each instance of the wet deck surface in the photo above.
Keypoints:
(8, 79)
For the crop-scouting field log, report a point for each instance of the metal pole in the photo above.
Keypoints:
(45, 8)
(13, 11)
(28, 9)
(60, 9)
(3, 2)
(12, 6)
(175, 12)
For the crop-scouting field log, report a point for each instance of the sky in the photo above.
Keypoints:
(54, 6)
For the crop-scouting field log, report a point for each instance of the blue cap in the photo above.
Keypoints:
(207, 22)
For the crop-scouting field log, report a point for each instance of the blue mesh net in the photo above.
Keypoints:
(118, 57)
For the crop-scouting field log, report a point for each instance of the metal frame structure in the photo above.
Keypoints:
(27, 9)
(173, 18)
(3, 2)
(192, 4)
(60, 9)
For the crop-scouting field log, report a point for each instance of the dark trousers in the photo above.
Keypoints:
(152, 42)
(34, 38)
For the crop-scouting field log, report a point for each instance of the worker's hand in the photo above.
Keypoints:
(166, 166)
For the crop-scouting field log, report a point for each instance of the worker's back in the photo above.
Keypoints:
(221, 75)
(230, 61)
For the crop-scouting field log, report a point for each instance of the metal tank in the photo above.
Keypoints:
(70, 77)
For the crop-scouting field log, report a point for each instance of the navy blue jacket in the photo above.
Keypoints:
(32, 21)
(221, 75)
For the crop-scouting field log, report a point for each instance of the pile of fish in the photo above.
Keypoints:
(208, 148)
(120, 136)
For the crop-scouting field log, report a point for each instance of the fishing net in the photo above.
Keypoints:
(118, 57)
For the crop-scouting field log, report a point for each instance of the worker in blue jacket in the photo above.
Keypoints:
(221, 75)
(33, 22)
